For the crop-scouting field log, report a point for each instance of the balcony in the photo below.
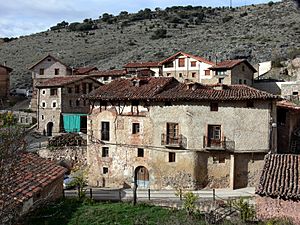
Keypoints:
(173, 142)
(218, 144)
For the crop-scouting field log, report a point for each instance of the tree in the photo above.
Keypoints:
(12, 143)
(159, 33)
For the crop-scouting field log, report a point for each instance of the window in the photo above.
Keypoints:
(169, 65)
(70, 103)
(53, 104)
(207, 72)
(43, 104)
(180, 74)
(240, 81)
(214, 136)
(181, 62)
(69, 90)
(221, 72)
(193, 75)
(42, 71)
(77, 102)
(295, 92)
(172, 133)
(77, 89)
(135, 128)
(105, 151)
(56, 71)
(53, 91)
(90, 87)
(250, 104)
(43, 117)
(140, 152)
(43, 92)
(105, 131)
(219, 159)
(105, 170)
(49, 59)
(193, 64)
(214, 106)
(84, 88)
(168, 74)
(172, 156)
(221, 80)
(105, 78)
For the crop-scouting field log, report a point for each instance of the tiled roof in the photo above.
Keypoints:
(288, 105)
(32, 174)
(62, 81)
(51, 56)
(168, 88)
(280, 177)
(6, 67)
(201, 59)
(229, 64)
(142, 64)
(105, 73)
(85, 70)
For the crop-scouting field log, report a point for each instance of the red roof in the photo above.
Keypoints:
(171, 58)
(85, 70)
(105, 73)
(62, 81)
(280, 177)
(288, 105)
(6, 67)
(142, 64)
(31, 174)
(168, 88)
(229, 64)
(55, 59)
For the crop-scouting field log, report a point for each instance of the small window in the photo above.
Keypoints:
(43, 117)
(295, 92)
(193, 64)
(221, 80)
(105, 170)
(42, 71)
(169, 65)
(49, 59)
(140, 152)
(135, 128)
(44, 104)
(207, 72)
(77, 89)
(250, 104)
(219, 159)
(214, 106)
(70, 103)
(105, 151)
(168, 74)
(180, 74)
(240, 81)
(172, 156)
(53, 91)
(69, 90)
(53, 104)
(43, 92)
(56, 71)
(193, 75)
(77, 102)
(181, 62)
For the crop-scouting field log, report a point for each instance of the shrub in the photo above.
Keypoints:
(247, 211)
(159, 33)
(227, 18)
(189, 202)
(270, 3)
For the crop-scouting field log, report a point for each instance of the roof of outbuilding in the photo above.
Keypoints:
(229, 64)
(168, 88)
(142, 64)
(62, 81)
(85, 70)
(280, 177)
(31, 174)
(6, 67)
(201, 59)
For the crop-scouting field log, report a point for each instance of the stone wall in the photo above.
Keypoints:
(267, 208)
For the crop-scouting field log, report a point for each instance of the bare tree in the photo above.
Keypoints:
(12, 142)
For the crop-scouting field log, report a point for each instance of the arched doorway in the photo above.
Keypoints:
(49, 128)
(142, 177)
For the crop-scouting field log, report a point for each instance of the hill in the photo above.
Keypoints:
(257, 32)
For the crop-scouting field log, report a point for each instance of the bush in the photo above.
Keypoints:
(247, 211)
(270, 3)
(159, 33)
(189, 202)
(227, 18)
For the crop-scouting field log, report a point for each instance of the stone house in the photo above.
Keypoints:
(60, 107)
(184, 66)
(4, 81)
(137, 67)
(278, 193)
(238, 71)
(33, 182)
(159, 133)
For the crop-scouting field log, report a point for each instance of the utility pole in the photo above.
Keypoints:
(230, 3)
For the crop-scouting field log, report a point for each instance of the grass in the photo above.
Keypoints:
(74, 212)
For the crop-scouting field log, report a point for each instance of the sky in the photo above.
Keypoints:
(24, 17)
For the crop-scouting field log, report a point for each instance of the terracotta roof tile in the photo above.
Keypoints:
(168, 88)
(62, 81)
(201, 59)
(105, 73)
(31, 174)
(280, 177)
(229, 64)
(142, 64)
(288, 105)
(85, 70)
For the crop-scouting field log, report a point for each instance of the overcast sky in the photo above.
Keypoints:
(22, 17)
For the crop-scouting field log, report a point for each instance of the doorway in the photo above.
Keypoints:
(142, 177)
(49, 128)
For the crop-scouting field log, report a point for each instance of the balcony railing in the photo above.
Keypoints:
(173, 142)
(218, 144)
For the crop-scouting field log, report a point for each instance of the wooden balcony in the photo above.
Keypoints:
(173, 142)
(218, 144)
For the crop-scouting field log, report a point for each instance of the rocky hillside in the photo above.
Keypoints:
(256, 32)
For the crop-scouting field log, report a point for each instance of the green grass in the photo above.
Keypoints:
(73, 212)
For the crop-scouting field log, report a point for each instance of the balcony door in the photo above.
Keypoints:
(105, 131)
(214, 136)
(172, 134)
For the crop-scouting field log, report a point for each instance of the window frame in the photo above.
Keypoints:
(105, 152)
(136, 129)
(140, 152)
(214, 106)
(172, 157)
